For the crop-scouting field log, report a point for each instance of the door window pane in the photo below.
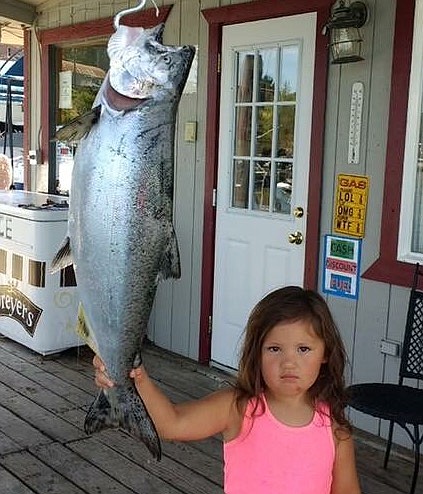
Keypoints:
(245, 79)
(286, 125)
(283, 187)
(267, 77)
(261, 185)
(241, 181)
(288, 73)
(243, 131)
(264, 131)
(264, 128)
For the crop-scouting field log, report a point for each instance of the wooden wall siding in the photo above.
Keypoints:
(381, 309)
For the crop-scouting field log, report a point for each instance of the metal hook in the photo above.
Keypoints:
(119, 15)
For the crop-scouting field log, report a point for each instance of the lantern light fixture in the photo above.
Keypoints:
(344, 28)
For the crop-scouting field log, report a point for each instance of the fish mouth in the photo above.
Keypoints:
(120, 102)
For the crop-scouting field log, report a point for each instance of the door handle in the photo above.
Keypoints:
(295, 238)
(298, 212)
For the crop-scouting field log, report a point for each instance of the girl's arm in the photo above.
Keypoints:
(188, 421)
(345, 477)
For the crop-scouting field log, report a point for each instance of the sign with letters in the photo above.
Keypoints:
(341, 266)
(17, 306)
(351, 205)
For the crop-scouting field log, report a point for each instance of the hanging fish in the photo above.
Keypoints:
(121, 239)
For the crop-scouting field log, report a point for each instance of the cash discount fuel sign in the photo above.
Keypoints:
(351, 205)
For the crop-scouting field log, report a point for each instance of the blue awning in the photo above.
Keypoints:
(11, 72)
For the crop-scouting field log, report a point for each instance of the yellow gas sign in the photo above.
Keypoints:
(351, 205)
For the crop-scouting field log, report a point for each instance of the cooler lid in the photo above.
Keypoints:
(34, 206)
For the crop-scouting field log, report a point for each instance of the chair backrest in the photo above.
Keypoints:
(412, 351)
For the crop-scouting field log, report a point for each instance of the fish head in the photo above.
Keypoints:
(141, 67)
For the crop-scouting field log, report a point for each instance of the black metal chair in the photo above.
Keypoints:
(400, 404)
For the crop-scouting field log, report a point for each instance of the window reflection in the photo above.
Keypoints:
(264, 131)
(261, 185)
(264, 128)
(243, 131)
(245, 78)
(285, 136)
(283, 187)
(267, 74)
(82, 69)
(288, 73)
(241, 181)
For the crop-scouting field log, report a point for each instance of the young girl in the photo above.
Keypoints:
(283, 423)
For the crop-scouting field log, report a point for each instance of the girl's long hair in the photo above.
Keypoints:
(286, 305)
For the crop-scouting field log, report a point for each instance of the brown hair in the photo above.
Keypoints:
(290, 304)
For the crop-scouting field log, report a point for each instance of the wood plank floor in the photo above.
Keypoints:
(44, 450)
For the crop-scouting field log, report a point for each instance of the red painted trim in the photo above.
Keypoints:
(27, 116)
(216, 18)
(103, 27)
(387, 269)
(212, 144)
(316, 154)
(263, 9)
(84, 30)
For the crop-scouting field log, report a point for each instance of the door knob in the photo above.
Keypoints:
(298, 212)
(295, 238)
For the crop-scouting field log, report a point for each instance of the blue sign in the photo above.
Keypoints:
(341, 266)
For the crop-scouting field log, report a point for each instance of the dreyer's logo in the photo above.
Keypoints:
(17, 306)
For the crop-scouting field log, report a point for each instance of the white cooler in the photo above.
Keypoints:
(37, 308)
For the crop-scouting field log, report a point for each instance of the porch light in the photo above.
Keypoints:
(344, 28)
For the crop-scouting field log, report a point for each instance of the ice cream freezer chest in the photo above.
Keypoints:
(37, 308)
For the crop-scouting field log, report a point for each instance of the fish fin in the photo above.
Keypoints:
(123, 407)
(156, 32)
(63, 258)
(77, 128)
(83, 329)
(171, 264)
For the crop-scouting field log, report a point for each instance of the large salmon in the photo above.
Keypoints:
(121, 239)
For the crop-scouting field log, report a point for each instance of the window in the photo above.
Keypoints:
(394, 265)
(74, 62)
(81, 70)
(410, 243)
(264, 128)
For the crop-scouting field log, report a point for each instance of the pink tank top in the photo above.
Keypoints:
(269, 457)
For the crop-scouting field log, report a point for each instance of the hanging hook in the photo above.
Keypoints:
(119, 15)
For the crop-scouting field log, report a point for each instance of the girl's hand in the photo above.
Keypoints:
(101, 379)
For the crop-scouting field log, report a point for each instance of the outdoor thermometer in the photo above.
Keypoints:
(355, 123)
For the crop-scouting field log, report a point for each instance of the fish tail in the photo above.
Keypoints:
(123, 408)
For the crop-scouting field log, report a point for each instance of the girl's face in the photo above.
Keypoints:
(291, 357)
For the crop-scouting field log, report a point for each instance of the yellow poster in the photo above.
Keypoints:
(351, 205)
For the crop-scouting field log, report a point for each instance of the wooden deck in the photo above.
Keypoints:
(43, 448)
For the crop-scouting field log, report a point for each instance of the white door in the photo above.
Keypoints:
(265, 126)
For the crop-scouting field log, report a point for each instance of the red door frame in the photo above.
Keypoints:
(234, 14)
